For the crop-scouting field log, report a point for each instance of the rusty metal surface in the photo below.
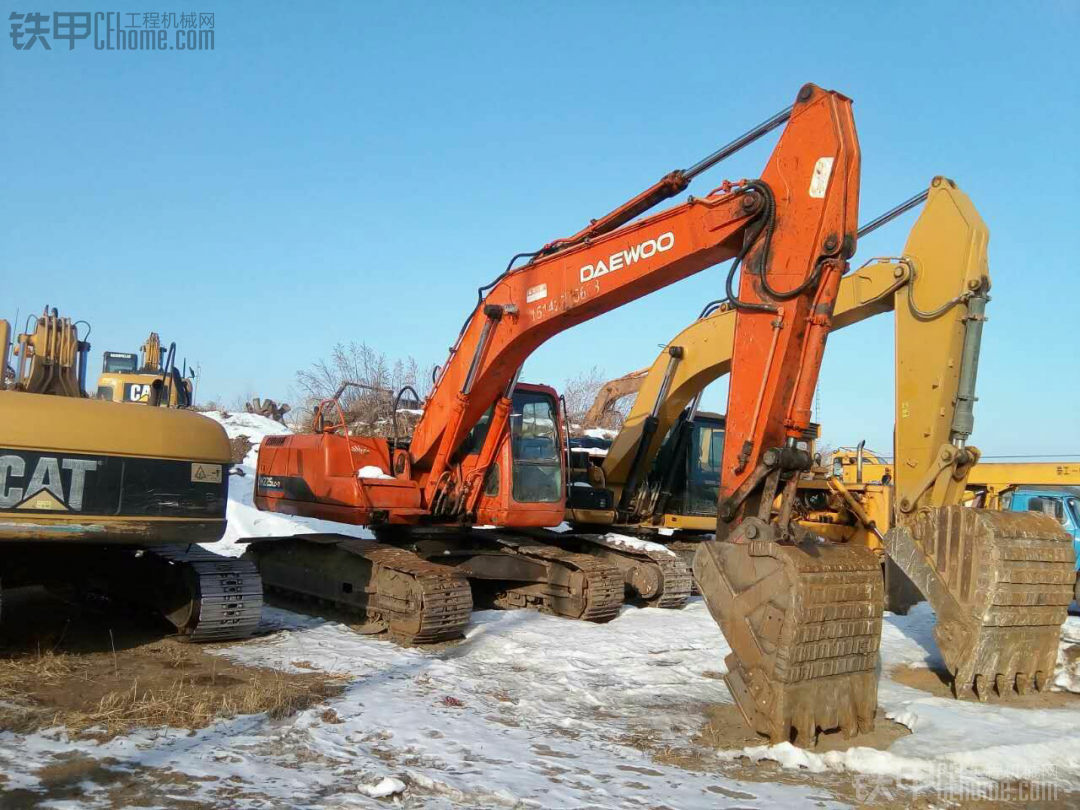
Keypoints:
(419, 602)
(804, 625)
(1000, 584)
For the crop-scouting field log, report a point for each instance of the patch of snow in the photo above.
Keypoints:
(601, 433)
(636, 543)
(388, 786)
(372, 472)
(1067, 677)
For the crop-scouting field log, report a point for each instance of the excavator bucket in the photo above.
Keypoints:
(804, 624)
(1000, 584)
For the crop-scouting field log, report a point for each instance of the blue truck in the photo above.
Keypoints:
(1060, 502)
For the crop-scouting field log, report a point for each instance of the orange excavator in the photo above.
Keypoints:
(802, 617)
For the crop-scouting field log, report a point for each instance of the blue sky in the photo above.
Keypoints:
(354, 171)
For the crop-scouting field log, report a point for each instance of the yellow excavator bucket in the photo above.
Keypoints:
(1000, 583)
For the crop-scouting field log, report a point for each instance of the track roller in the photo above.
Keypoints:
(521, 573)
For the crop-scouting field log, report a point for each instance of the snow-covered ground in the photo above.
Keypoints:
(530, 711)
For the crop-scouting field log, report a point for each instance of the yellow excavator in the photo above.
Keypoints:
(155, 380)
(999, 582)
(103, 498)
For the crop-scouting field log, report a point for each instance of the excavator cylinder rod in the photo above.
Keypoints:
(893, 213)
(743, 141)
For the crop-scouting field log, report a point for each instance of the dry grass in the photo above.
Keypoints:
(42, 690)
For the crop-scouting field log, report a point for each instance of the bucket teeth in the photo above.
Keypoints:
(804, 625)
(1023, 685)
(1000, 584)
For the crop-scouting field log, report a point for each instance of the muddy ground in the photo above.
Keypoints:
(103, 673)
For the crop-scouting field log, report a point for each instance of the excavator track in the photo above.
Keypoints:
(686, 549)
(417, 601)
(580, 586)
(1000, 584)
(226, 594)
(804, 624)
(652, 574)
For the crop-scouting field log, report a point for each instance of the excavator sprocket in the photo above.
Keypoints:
(1000, 584)
(417, 601)
(655, 577)
(804, 624)
(579, 586)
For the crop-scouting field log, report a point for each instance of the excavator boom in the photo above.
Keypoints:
(795, 219)
(599, 413)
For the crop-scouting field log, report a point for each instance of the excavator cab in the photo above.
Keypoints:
(524, 486)
(696, 480)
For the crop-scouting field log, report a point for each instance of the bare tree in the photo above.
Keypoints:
(579, 392)
(368, 405)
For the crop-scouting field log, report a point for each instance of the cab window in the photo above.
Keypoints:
(534, 446)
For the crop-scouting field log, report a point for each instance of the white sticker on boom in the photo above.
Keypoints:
(537, 293)
(820, 181)
(206, 473)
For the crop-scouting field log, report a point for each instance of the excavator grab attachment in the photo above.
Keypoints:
(802, 616)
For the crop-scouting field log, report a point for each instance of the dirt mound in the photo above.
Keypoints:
(240, 446)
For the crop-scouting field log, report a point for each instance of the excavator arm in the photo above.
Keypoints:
(790, 225)
(610, 393)
(801, 215)
(1000, 583)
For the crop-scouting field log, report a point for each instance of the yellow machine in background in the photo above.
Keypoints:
(154, 380)
(1000, 583)
(602, 413)
(99, 497)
